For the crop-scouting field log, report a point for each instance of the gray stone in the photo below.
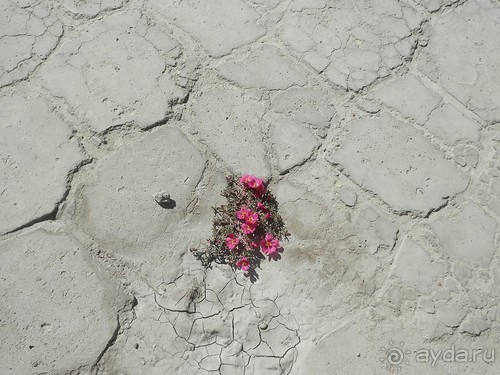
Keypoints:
(111, 75)
(409, 96)
(219, 26)
(427, 305)
(224, 117)
(375, 231)
(464, 55)
(348, 196)
(57, 314)
(461, 271)
(452, 126)
(475, 325)
(451, 314)
(477, 298)
(28, 34)
(415, 267)
(162, 197)
(117, 210)
(293, 143)
(411, 175)
(368, 105)
(310, 105)
(36, 157)
(470, 237)
(430, 324)
(355, 42)
(468, 154)
(460, 161)
(280, 73)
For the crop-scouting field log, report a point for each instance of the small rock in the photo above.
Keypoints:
(460, 161)
(476, 298)
(427, 305)
(423, 41)
(162, 198)
(368, 106)
(475, 325)
(451, 314)
(349, 197)
(429, 324)
(182, 81)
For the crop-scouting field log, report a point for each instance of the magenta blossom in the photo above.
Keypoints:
(254, 183)
(243, 264)
(269, 245)
(232, 241)
(243, 213)
(252, 219)
(247, 229)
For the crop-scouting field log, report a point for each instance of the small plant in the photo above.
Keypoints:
(246, 229)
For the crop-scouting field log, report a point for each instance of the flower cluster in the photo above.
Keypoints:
(247, 229)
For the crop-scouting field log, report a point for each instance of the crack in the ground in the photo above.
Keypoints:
(208, 350)
(121, 318)
(52, 216)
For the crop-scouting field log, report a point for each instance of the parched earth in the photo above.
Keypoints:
(376, 122)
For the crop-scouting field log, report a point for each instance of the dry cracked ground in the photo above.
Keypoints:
(377, 123)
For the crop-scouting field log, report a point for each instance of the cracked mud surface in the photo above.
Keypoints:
(377, 123)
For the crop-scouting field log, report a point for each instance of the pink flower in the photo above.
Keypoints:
(254, 245)
(252, 219)
(243, 264)
(267, 215)
(261, 206)
(269, 244)
(254, 183)
(247, 229)
(232, 241)
(243, 213)
(246, 179)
